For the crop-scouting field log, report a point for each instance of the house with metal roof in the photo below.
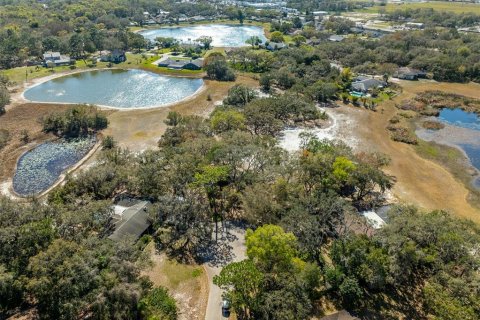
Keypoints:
(131, 221)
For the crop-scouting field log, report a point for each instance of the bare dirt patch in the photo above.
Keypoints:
(188, 284)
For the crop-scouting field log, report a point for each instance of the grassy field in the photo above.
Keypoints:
(139, 61)
(455, 7)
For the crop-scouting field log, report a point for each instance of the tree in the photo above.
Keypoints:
(217, 69)
(165, 42)
(227, 120)
(4, 98)
(271, 248)
(243, 283)
(299, 39)
(239, 95)
(240, 16)
(158, 304)
(254, 41)
(212, 179)
(205, 41)
(276, 36)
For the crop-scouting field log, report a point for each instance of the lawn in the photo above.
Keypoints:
(139, 61)
(456, 7)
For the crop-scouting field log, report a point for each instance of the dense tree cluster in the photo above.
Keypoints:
(54, 258)
(75, 122)
(433, 18)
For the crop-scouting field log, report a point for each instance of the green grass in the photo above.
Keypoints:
(179, 273)
(456, 7)
(136, 61)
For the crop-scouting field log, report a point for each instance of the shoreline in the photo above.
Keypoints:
(7, 185)
(42, 80)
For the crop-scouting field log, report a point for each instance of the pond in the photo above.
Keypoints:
(462, 129)
(223, 35)
(458, 117)
(118, 88)
(39, 168)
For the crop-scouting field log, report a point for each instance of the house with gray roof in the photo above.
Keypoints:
(406, 73)
(273, 46)
(180, 64)
(365, 85)
(131, 221)
(53, 59)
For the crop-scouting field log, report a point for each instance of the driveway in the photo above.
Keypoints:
(229, 248)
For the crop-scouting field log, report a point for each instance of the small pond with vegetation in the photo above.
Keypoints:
(39, 168)
(223, 35)
(118, 88)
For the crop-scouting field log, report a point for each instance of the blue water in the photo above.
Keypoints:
(469, 120)
(473, 153)
(124, 89)
(460, 118)
(223, 35)
(40, 168)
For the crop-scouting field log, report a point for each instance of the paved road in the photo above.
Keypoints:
(230, 248)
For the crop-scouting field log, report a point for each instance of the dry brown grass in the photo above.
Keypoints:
(141, 129)
(188, 284)
(422, 182)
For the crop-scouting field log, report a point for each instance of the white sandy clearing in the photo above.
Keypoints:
(341, 128)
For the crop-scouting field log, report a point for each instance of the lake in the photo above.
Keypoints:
(462, 129)
(39, 168)
(117, 88)
(223, 35)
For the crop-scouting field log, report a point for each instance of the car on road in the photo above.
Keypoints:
(225, 308)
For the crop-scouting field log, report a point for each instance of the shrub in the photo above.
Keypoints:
(402, 134)
(395, 119)
(433, 125)
(108, 143)
(158, 304)
(4, 138)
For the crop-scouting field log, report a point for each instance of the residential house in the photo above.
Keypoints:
(409, 74)
(274, 46)
(54, 59)
(364, 85)
(131, 221)
(180, 64)
(336, 38)
(115, 56)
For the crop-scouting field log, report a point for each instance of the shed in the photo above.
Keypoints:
(132, 221)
